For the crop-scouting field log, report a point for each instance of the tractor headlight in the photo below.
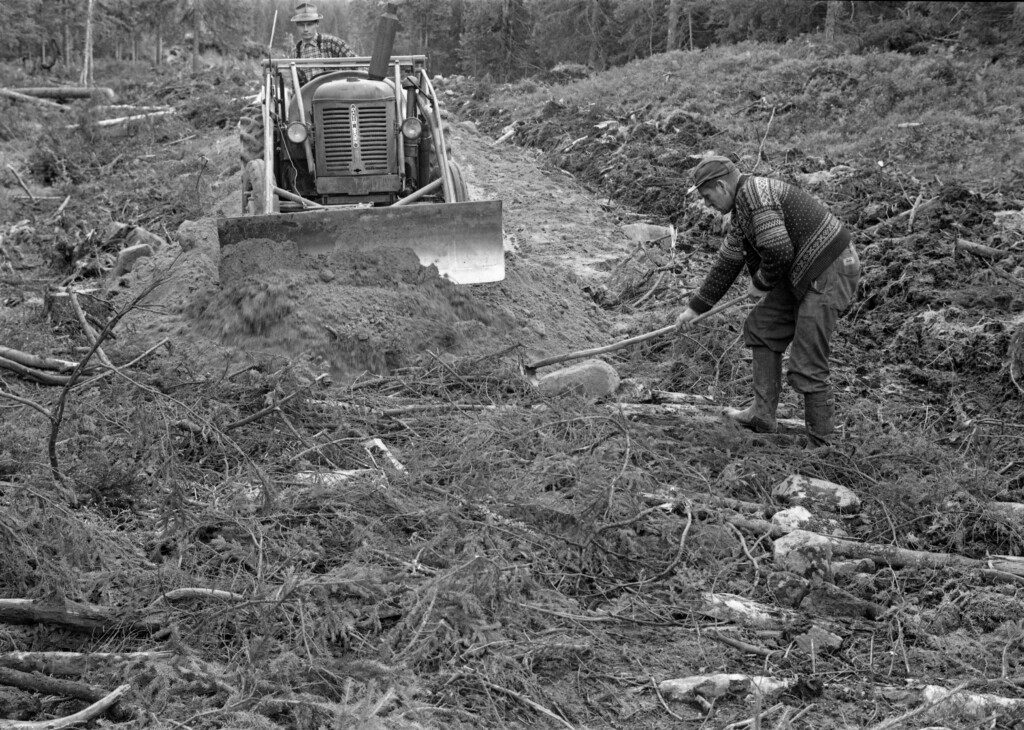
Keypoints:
(297, 132)
(412, 128)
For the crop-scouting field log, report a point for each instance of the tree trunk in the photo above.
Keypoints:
(672, 43)
(831, 19)
(65, 31)
(86, 79)
(196, 27)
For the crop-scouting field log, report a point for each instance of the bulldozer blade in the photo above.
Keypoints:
(463, 240)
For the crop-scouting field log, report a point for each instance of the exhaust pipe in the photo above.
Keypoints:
(383, 43)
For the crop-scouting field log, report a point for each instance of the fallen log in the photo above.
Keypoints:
(698, 415)
(69, 615)
(72, 663)
(57, 688)
(35, 361)
(905, 558)
(972, 704)
(68, 92)
(40, 376)
(92, 711)
(713, 686)
(32, 100)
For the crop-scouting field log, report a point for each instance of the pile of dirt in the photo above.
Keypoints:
(343, 313)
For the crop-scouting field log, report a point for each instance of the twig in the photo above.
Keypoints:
(663, 703)
(979, 249)
(90, 333)
(913, 211)
(26, 402)
(645, 297)
(900, 721)
(741, 645)
(756, 719)
(800, 714)
(179, 594)
(58, 415)
(763, 139)
(270, 409)
(753, 560)
(1006, 275)
(527, 701)
(22, 183)
(127, 365)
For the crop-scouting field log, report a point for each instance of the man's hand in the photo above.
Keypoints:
(754, 294)
(683, 320)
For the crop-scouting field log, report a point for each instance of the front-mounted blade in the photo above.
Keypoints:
(463, 240)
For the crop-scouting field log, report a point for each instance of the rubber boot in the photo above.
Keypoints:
(819, 417)
(760, 416)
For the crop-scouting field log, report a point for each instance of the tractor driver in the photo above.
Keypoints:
(804, 272)
(314, 44)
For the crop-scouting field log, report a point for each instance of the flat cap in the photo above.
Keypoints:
(711, 168)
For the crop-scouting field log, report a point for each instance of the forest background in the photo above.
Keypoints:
(504, 40)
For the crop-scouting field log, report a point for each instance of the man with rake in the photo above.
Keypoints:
(804, 272)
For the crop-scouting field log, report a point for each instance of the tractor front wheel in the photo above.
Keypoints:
(459, 183)
(254, 189)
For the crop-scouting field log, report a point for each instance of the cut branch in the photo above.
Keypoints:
(35, 361)
(979, 249)
(92, 711)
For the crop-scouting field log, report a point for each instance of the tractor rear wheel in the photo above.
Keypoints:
(250, 133)
(459, 183)
(253, 189)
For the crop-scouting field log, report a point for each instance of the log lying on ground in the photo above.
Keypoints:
(971, 704)
(995, 567)
(69, 615)
(68, 92)
(32, 100)
(950, 706)
(75, 664)
(40, 376)
(58, 688)
(713, 686)
(36, 361)
(694, 415)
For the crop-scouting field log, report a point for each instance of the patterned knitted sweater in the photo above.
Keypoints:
(781, 233)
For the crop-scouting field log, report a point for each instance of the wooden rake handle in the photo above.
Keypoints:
(632, 340)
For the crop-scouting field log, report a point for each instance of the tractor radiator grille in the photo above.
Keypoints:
(354, 149)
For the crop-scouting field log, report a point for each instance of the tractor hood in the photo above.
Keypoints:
(354, 90)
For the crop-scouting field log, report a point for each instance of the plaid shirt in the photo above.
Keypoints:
(323, 46)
